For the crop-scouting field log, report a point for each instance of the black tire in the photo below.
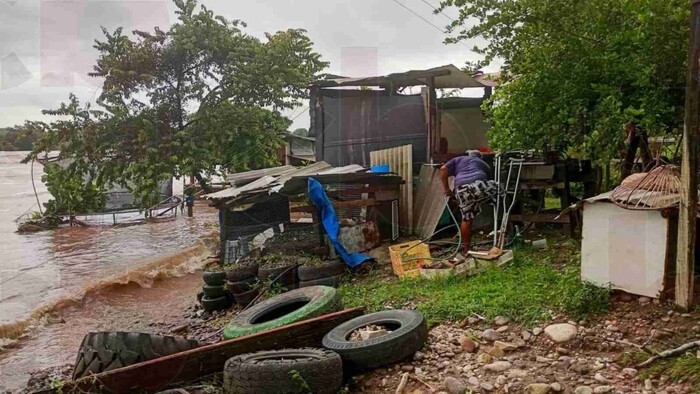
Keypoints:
(242, 286)
(105, 351)
(288, 278)
(332, 268)
(216, 304)
(200, 295)
(214, 278)
(409, 332)
(283, 309)
(213, 291)
(332, 281)
(247, 297)
(242, 272)
(286, 371)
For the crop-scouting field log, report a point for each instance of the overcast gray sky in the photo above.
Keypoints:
(46, 46)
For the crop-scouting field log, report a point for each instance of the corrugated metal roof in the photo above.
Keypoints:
(446, 77)
(241, 178)
(274, 183)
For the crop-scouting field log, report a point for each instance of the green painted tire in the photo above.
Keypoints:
(286, 308)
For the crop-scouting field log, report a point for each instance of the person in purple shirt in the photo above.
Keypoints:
(473, 186)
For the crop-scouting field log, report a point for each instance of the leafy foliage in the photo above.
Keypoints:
(200, 98)
(15, 138)
(576, 71)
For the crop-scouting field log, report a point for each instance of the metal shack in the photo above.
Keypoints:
(351, 117)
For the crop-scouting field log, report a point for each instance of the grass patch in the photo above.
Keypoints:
(529, 289)
(682, 369)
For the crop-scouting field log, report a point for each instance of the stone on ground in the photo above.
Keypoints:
(505, 346)
(501, 320)
(561, 333)
(583, 390)
(603, 389)
(491, 335)
(537, 388)
(454, 386)
(468, 345)
(497, 366)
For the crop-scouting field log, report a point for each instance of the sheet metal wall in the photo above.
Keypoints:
(348, 124)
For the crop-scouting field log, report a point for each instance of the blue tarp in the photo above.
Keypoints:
(330, 222)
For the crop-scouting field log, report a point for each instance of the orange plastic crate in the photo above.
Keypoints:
(407, 258)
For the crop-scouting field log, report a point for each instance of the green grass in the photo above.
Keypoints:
(529, 289)
(684, 368)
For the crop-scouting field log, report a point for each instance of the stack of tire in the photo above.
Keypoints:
(242, 283)
(313, 370)
(285, 277)
(214, 294)
(327, 274)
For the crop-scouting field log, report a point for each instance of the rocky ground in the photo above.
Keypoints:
(559, 356)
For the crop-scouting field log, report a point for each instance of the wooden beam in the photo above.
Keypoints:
(685, 260)
(153, 375)
(540, 218)
(340, 204)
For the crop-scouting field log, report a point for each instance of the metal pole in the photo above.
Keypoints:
(685, 262)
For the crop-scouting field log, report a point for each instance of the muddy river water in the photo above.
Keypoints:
(57, 285)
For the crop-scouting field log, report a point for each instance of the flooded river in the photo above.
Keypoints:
(86, 279)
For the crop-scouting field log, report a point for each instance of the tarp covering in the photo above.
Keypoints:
(330, 222)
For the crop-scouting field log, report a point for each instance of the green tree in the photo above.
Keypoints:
(202, 97)
(575, 71)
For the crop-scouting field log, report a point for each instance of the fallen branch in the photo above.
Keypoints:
(421, 381)
(640, 347)
(402, 383)
(670, 353)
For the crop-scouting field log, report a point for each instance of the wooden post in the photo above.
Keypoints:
(689, 168)
(432, 123)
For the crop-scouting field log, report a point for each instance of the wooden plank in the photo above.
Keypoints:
(685, 260)
(370, 202)
(540, 218)
(538, 185)
(153, 375)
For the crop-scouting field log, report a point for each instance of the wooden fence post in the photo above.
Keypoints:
(685, 263)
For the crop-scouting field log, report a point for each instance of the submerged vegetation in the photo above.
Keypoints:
(533, 287)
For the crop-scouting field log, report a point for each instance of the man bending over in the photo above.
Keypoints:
(473, 186)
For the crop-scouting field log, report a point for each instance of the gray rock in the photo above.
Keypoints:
(497, 366)
(580, 368)
(536, 331)
(473, 381)
(537, 388)
(556, 387)
(603, 389)
(600, 378)
(526, 335)
(561, 333)
(491, 335)
(631, 372)
(583, 390)
(486, 386)
(501, 320)
(648, 385)
(454, 386)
